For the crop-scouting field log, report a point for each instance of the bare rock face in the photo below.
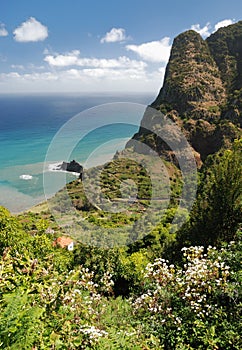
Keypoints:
(202, 93)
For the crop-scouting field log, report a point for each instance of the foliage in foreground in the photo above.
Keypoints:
(197, 306)
(217, 213)
(54, 299)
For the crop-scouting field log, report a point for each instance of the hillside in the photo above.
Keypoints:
(204, 105)
(202, 91)
(131, 282)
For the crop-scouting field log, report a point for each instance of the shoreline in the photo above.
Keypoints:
(18, 202)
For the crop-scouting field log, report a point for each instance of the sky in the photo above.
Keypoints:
(98, 45)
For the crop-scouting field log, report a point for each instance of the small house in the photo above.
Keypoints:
(65, 242)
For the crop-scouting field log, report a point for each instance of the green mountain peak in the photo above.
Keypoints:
(202, 91)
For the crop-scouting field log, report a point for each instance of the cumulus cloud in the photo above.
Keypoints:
(114, 74)
(3, 30)
(153, 51)
(208, 29)
(115, 35)
(36, 77)
(77, 73)
(73, 59)
(224, 23)
(31, 30)
(203, 31)
(78, 80)
(63, 60)
(4, 76)
(121, 76)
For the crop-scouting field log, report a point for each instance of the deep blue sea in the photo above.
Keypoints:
(39, 131)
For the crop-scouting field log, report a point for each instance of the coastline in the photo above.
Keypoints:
(17, 202)
(28, 128)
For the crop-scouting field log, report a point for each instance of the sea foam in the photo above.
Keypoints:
(54, 166)
(26, 177)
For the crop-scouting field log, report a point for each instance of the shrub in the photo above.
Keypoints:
(196, 307)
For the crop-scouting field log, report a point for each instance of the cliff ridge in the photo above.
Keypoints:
(201, 93)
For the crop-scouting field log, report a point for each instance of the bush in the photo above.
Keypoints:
(197, 307)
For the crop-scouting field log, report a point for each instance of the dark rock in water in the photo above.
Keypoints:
(72, 166)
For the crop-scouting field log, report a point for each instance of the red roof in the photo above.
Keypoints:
(63, 241)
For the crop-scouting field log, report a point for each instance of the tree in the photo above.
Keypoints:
(216, 215)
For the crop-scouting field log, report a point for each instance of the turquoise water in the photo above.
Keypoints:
(28, 125)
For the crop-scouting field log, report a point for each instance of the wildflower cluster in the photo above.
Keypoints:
(158, 277)
(57, 295)
(203, 274)
(185, 301)
(106, 283)
(91, 336)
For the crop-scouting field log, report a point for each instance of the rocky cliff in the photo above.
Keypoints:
(202, 92)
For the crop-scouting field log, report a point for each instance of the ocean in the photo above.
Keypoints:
(37, 132)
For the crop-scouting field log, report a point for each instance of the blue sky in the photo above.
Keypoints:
(85, 46)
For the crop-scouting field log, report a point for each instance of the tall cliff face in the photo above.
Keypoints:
(192, 86)
(226, 48)
(202, 91)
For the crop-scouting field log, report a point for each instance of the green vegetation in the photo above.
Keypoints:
(224, 46)
(133, 281)
(203, 83)
(114, 204)
(218, 207)
(192, 86)
(129, 297)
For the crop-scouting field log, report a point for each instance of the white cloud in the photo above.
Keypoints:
(208, 30)
(73, 59)
(31, 30)
(115, 35)
(153, 51)
(59, 60)
(204, 31)
(224, 23)
(3, 30)
(82, 74)
(82, 80)
(9, 75)
(114, 74)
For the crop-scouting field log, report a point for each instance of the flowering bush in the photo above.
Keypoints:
(194, 307)
(45, 305)
(59, 309)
